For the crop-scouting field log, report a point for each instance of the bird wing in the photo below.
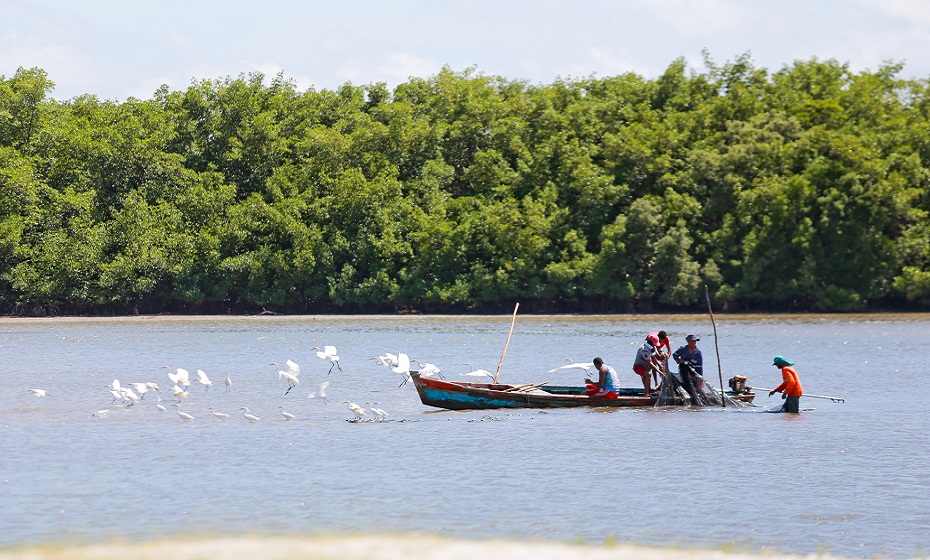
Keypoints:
(293, 367)
(330, 350)
(403, 363)
(202, 377)
(184, 375)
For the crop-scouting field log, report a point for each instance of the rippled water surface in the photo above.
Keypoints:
(847, 478)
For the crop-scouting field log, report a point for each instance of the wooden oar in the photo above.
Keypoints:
(504, 353)
(834, 399)
(527, 387)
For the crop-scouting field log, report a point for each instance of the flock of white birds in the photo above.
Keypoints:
(128, 394)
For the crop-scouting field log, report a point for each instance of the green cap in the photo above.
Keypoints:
(781, 362)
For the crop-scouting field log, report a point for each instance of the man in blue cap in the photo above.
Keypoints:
(688, 358)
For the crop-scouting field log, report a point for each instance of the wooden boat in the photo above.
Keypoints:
(460, 395)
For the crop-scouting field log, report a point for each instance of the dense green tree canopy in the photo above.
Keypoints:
(802, 189)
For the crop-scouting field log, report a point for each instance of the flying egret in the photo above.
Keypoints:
(140, 388)
(228, 381)
(203, 379)
(38, 392)
(152, 385)
(218, 415)
(321, 389)
(402, 367)
(179, 392)
(250, 417)
(181, 413)
(328, 353)
(293, 370)
(381, 414)
(428, 369)
(181, 377)
(574, 365)
(287, 415)
(356, 409)
(387, 359)
(477, 372)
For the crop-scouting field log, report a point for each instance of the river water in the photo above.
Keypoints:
(851, 478)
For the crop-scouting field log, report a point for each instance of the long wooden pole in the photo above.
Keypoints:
(506, 344)
(716, 345)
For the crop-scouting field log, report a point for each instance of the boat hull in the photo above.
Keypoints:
(453, 395)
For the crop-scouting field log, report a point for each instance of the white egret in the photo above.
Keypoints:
(140, 388)
(402, 367)
(387, 359)
(477, 372)
(250, 417)
(321, 389)
(38, 392)
(129, 395)
(574, 365)
(159, 406)
(328, 353)
(218, 415)
(152, 385)
(356, 409)
(381, 414)
(287, 415)
(181, 377)
(428, 369)
(181, 413)
(290, 376)
(179, 392)
(117, 396)
(114, 386)
(228, 381)
(203, 379)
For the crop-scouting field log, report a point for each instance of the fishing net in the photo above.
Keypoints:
(689, 388)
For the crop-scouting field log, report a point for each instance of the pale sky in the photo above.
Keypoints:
(115, 49)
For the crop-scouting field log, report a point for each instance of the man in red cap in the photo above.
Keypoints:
(647, 362)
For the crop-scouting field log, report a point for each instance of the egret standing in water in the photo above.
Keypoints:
(381, 414)
(356, 409)
(181, 413)
(250, 417)
(228, 381)
(287, 415)
(159, 406)
(218, 415)
(328, 353)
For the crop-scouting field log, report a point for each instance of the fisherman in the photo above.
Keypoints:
(607, 384)
(647, 362)
(689, 358)
(790, 387)
(664, 342)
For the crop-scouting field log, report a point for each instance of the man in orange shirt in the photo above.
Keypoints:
(791, 385)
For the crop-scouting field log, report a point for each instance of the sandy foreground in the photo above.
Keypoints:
(365, 548)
